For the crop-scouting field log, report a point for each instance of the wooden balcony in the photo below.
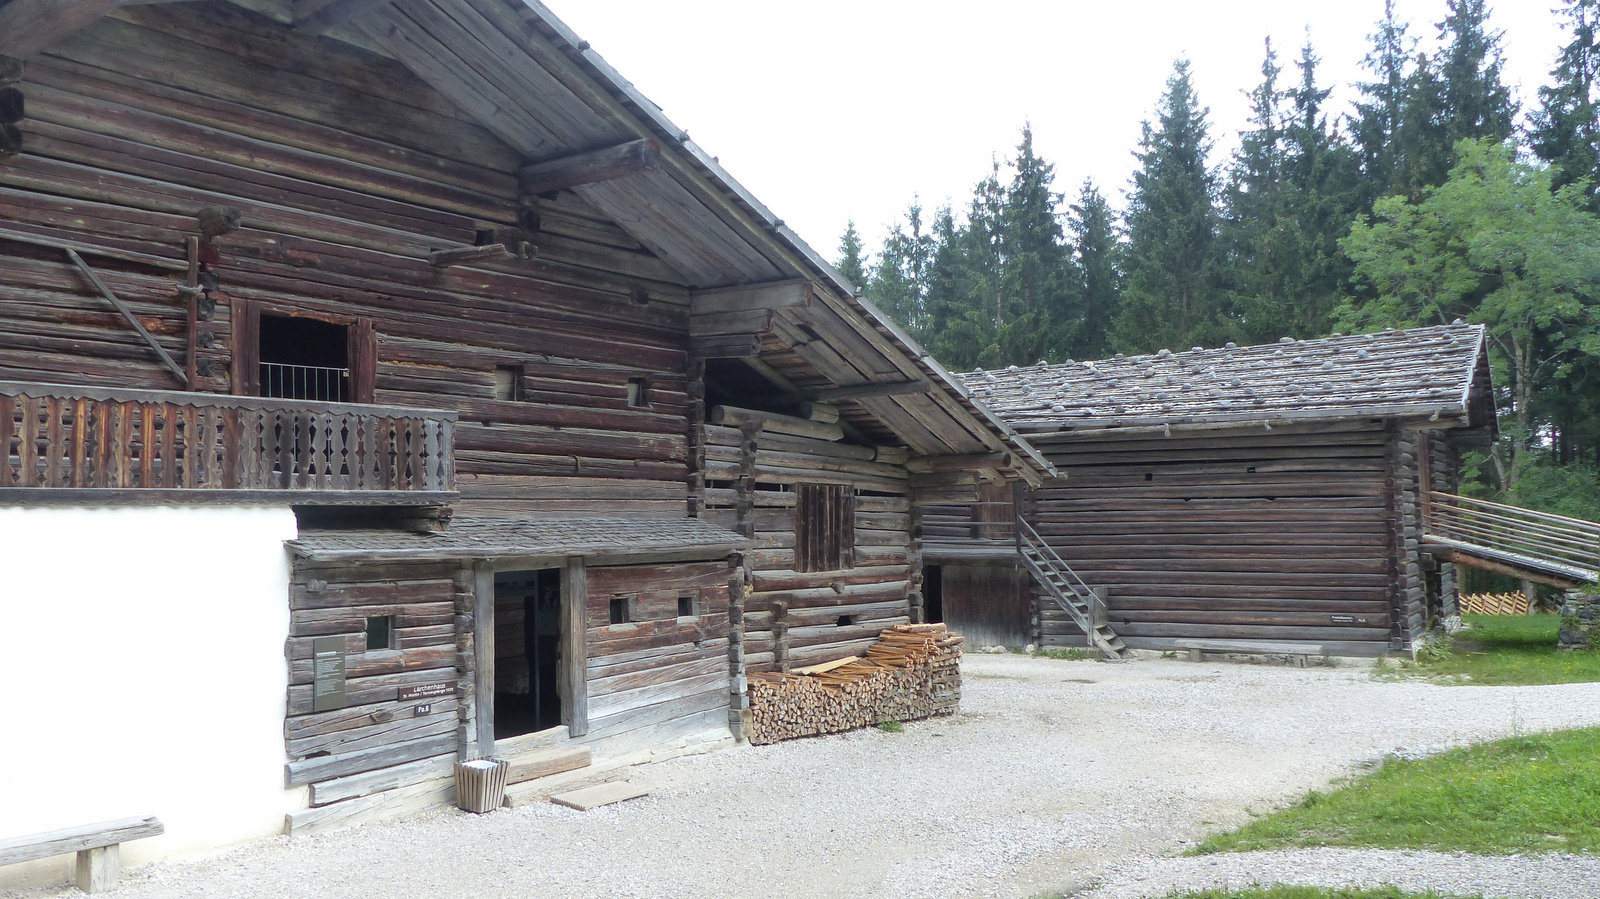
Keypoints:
(92, 445)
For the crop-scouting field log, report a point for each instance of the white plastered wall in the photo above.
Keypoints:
(143, 673)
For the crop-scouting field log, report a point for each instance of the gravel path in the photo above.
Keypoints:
(1055, 777)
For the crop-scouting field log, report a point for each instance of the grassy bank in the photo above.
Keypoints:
(1503, 650)
(1539, 793)
(1288, 892)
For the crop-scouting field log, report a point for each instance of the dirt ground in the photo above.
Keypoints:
(1054, 776)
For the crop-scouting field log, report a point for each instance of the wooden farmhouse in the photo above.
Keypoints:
(388, 383)
(1263, 493)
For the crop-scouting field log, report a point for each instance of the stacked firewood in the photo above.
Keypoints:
(913, 671)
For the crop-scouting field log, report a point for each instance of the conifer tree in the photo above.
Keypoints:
(1037, 285)
(1477, 105)
(1092, 234)
(1566, 127)
(1383, 101)
(851, 263)
(1171, 298)
(898, 284)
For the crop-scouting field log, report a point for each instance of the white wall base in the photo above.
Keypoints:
(144, 674)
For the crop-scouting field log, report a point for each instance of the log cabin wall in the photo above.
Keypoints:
(793, 617)
(358, 755)
(347, 172)
(1281, 534)
(662, 676)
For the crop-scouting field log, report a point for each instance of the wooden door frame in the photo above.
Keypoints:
(573, 667)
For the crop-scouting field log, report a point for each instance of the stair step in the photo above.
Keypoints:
(534, 765)
(602, 794)
(542, 788)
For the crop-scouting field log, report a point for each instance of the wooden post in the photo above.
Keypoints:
(466, 668)
(738, 699)
(98, 868)
(575, 647)
(483, 640)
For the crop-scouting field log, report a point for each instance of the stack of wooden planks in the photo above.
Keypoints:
(913, 671)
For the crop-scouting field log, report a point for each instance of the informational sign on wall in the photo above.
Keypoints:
(327, 686)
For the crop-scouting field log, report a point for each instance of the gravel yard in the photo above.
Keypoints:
(1056, 777)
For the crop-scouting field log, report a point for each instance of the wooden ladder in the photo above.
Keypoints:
(1086, 607)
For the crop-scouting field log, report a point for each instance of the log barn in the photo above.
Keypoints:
(389, 383)
(1251, 494)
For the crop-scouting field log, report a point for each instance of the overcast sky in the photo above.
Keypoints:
(832, 110)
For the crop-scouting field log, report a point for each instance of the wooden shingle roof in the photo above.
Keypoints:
(611, 538)
(1437, 373)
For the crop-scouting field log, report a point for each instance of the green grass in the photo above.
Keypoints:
(1311, 893)
(1538, 793)
(1502, 650)
(892, 727)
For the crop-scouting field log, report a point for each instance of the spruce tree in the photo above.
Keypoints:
(1383, 101)
(851, 263)
(1092, 233)
(1477, 104)
(1172, 297)
(1037, 313)
(898, 284)
(1566, 127)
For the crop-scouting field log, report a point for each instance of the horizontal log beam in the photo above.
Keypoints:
(632, 158)
(28, 26)
(773, 295)
(863, 391)
(461, 255)
(967, 462)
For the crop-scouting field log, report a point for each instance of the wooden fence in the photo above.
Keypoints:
(70, 444)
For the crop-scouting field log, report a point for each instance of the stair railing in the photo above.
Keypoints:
(1538, 537)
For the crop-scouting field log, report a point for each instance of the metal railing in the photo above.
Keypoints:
(1513, 535)
(65, 438)
(305, 382)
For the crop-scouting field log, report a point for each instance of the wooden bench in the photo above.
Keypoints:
(96, 844)
(1300, 651)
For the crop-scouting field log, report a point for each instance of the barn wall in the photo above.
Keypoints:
(347, 171)
(1249, 534)
(795, 618)
(663, 677)
(147, 677)
(989, 604)
(360, 755)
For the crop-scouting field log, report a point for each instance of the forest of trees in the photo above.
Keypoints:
(1434, 198)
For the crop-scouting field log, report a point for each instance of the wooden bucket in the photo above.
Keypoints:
(481, 784)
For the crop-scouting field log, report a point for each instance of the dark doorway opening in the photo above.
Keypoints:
(305, 359)
(932, 594)
(527, 645)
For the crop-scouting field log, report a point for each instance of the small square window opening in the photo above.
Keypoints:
(508, 383)
(621, 609)
(846, 620)
(638, 393)
(380, 632)
(687, 607)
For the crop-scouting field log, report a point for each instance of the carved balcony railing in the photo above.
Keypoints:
(106, 445)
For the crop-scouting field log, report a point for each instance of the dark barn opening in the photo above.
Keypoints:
(933, 594)
(527, 644)
(305, 359)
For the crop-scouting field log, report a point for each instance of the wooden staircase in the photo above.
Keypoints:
(1069, 591)
(1535, 546)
